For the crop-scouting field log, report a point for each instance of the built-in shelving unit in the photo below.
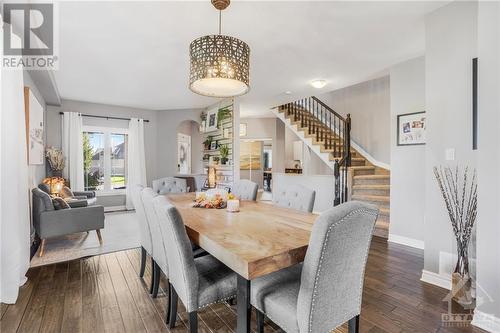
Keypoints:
(222, 136)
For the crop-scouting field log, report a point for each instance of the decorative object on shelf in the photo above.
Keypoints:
(56, 160)
(213, 145)
(243, 129)
(460, 197)
(215, 160)
(207, 143)
(223, 113)
(411, 129)
(224, 153)
(55, 184)
(219, 64)
(211, 177)
(206, 157)
(212, 123)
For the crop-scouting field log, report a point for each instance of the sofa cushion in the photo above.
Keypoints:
(60, 203)
(42, 200)
(66, 193)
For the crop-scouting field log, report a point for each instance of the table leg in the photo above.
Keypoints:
(243, 305)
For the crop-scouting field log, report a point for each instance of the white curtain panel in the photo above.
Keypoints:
(72, 147)
(14, 187)
(136, 162)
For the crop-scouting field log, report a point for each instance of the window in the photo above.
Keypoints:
(105, 158)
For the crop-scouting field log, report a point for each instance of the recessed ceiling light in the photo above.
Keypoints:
(318, 84)
(288, 92)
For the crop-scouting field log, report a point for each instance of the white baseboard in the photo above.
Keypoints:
(406, 241)
(440, 280)
(114, 208)
(486, 321)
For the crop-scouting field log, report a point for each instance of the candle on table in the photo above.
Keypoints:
(233, 205)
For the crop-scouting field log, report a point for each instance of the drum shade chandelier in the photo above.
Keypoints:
(219, 64)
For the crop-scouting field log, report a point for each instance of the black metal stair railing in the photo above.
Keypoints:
(330, 130)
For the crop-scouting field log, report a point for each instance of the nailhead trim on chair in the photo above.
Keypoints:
(217, 301)
(318, 273)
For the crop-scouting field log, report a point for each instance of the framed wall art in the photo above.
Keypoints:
(411, 129)
(211, 121)
(33, 111)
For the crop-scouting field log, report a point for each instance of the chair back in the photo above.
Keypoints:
(296, 197)
(183, 273)
(169, 185)
(144, 229)
(331, 283)
(41, 203)
(217, 191)
(245, 189)
(159, 254)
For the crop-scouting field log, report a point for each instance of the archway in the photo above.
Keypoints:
(189, 148)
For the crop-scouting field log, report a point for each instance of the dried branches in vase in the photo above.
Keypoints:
(460, 197)
(56, 160)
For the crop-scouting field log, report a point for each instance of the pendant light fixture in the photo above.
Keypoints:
(220, 64)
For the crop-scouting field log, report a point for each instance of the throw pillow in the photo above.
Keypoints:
(66, 193)
(59, 203)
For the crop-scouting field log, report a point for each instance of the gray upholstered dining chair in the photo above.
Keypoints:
(245, 189)
(169, 185)
(198, 282)
(325, 291)
(159, 255)
(144, 230)
(296, 197)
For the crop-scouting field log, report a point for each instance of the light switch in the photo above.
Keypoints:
(450, 154)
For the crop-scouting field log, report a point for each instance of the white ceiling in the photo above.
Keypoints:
(136, 53)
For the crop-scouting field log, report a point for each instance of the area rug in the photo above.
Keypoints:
(121, 232)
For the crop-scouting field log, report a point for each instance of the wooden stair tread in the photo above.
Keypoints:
(375, 198)
(384, 211)
(372, 176)
(371, 187)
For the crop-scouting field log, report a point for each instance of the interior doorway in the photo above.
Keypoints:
(256, 164)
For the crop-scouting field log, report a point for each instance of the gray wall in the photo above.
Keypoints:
(488, 226)
(407, 162)
(369, 106)
(450, 46)
(150, 135)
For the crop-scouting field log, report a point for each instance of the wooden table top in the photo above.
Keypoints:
(260, 239)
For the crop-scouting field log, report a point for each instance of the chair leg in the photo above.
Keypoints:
(42, 247)
(143, 262)
(193, 322)
(354, 325)
(99, 236)
(173, 307)
(153, 272)
(169, 292)
(260, 321)
(156, 284)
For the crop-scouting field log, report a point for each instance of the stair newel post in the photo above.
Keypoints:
(336, 175)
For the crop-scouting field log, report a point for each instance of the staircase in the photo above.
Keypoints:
(328, 134)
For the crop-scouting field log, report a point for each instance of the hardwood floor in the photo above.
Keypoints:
(105, 294)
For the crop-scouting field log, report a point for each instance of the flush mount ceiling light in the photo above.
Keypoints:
(220, 64)
(318, 84)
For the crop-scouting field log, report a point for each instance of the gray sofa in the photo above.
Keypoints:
(49, 222)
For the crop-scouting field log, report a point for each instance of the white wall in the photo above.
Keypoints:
(450, 47)
(407, 162)
(488, 227)
(192, 128)
(369, 106)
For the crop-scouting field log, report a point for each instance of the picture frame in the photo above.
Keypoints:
(243, 129)
(213, 145)
(211, 121)
(411, 128)
(35, 127)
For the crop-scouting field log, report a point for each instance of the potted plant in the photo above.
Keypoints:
(224, 153)
(207, 142)
(215, 160)
(460, 197)
(222, 114)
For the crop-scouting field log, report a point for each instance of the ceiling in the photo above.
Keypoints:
(136, 53)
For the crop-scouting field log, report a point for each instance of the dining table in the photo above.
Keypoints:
(260, 239)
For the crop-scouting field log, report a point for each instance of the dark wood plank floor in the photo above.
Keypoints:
(105, 294)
